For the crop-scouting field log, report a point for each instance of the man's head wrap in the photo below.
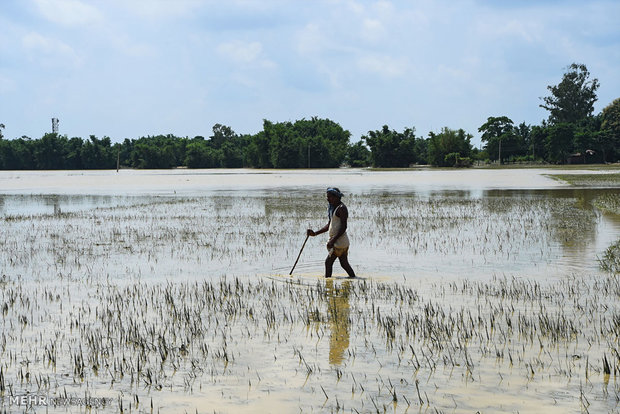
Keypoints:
(335, 191)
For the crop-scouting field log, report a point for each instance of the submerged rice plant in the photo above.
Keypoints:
(610, 262)
(177, 304)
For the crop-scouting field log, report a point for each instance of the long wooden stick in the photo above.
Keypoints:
(299, 255)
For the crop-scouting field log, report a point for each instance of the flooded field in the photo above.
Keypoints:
(168, 291)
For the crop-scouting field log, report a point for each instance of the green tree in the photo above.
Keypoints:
(390, 148)
(499, 135)
(201, 155)
(229, 147)
(421, 150)
(233, 152)
(324, 143)
(97, 153)
(1, 129)
(559, 142)
(587, 140)
(573, 98)
(284, 145)
(314, 143)
(258, 151)
(124, 154)
(538, 138)
(523, 136)
(49, 152)
(73, 154)
(358, 155)
(610, 131)
(17, 154)
(445, 147)
(221, 134)
(161, 151)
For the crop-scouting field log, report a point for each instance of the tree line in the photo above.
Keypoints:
(314, 143)
(572, 133)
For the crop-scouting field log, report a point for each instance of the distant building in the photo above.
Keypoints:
(587, 157)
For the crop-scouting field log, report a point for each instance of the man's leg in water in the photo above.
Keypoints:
(329, 264)
(344, 262)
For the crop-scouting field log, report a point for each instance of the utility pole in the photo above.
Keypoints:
(500, 151)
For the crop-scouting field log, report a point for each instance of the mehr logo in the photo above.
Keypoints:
(37, 400)
(28, 400)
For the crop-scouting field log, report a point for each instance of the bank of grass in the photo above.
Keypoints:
(590, 180)
(510, 166)
(581, 167)
(609, 203)
(610, 261)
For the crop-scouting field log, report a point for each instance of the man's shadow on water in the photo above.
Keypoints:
(338, 312)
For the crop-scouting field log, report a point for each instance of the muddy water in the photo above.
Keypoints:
(404, 225)
(181, 181)
(480, 291)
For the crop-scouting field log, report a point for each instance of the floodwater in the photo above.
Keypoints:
(479, 290)
(193, 182)
(407, 224)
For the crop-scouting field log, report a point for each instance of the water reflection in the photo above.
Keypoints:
(41, 204)
(338, 316)
(416, 234)
(580, 230)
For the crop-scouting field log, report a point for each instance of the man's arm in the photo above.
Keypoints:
(311, 232)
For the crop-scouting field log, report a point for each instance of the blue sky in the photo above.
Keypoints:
(131, 68)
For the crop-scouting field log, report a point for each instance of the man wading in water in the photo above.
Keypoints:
(338, 244)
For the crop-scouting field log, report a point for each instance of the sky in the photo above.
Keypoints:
(133, 68)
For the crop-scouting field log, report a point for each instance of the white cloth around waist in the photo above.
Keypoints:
(334, 227)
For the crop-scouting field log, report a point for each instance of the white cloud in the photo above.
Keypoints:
(69, 12)
(310, 40)
(241, 52)
(498, 25)
(453, 75)
(372, 29)
(386, 66)
(49, 51)
(161, 9)
(245, 53)
(6, 84)
(358, 61)
(129, 46)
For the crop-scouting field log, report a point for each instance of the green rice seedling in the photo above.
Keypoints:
(610, 262)
(610, 179)
(139, 299)
(609, 203)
